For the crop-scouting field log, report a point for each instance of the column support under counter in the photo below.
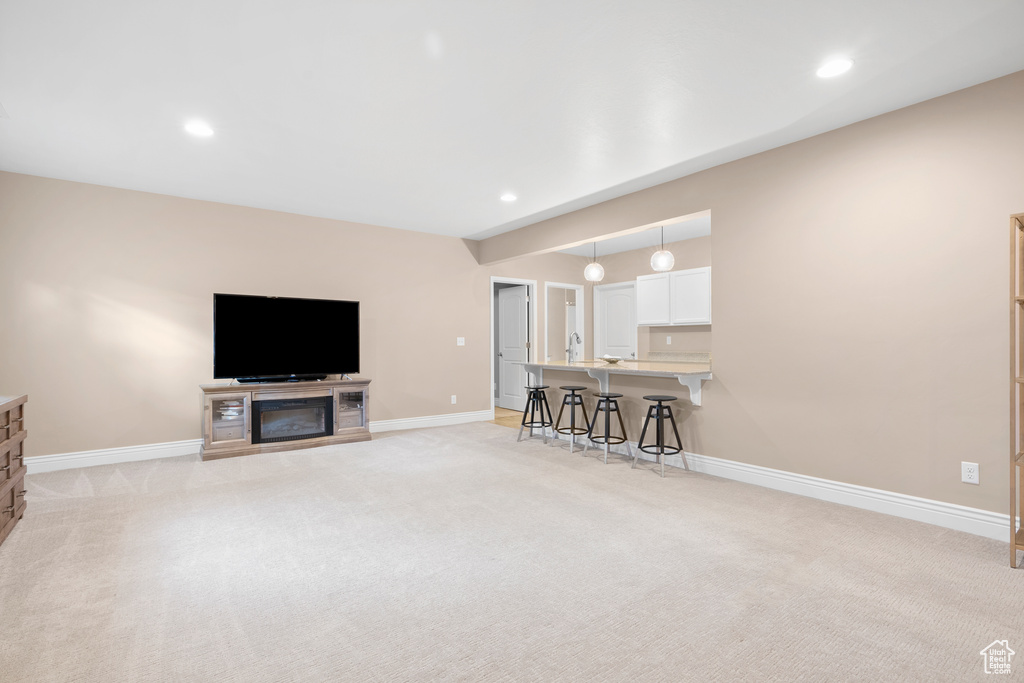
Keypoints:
(536, 374)
(693, 383)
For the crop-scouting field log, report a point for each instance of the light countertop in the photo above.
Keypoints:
(651, 368)
(688, 374)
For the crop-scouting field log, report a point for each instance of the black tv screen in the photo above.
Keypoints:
(277, 338)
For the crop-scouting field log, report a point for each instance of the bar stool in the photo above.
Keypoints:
(607, 404)
(572, 399)
(536, 404)
(659, 448)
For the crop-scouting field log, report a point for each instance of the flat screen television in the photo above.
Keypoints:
(270, 338)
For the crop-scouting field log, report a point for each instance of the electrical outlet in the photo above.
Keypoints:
(453, 399)
(460, 341)
(668, 339)
(969, 473)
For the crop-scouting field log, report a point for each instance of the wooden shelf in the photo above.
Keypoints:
(12, 463)
(1017, 384)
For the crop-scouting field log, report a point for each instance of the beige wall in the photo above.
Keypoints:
(108, 306)
(859, 294)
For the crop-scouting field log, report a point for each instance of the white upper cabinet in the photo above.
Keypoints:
(682, 297)
(691, 296)
(653, 295)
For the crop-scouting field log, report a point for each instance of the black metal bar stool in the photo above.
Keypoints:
(660, 413)
(607, 404)
(533, 413)
(572, 399)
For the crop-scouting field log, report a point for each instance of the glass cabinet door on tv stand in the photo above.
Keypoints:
(350, 407)
(228, 419)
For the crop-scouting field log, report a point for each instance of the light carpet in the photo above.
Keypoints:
(457, 554)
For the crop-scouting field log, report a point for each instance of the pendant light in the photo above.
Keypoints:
(662, 260)
(594, 272)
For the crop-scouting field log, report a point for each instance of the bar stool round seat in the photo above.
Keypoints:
(534, 412)
(660, 412)
(607, 403)
(572, 399)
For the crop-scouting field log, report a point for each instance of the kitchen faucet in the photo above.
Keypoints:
(574, 337)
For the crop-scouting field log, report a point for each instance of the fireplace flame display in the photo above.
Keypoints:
(292, 419)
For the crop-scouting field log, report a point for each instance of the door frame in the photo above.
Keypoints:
(531, 315)
(598, 291)
(580, 317)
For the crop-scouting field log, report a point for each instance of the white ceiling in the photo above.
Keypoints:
(419, 115)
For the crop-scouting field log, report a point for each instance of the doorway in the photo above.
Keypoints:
(615, 328)
(513, 326)
(564, 328)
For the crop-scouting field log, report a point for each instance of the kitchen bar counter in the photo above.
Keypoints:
(690, 375)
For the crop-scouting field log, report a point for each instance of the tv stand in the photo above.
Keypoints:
(292, 415)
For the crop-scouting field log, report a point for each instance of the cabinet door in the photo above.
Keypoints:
(652, 299)
(691, 296)
(349, 408)
(226, 420)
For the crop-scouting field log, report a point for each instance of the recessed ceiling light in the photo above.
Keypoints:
(834, 67)
(198, 128)
(508, 197)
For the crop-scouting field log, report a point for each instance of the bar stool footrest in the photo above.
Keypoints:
(652, 449)
(572, 430)
(601, 438)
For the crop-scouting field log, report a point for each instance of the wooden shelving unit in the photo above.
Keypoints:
(1016, 384)
(12, 462)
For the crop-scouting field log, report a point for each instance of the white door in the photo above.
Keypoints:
(513, 333)
(615, 320)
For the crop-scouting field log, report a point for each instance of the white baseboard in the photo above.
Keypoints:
(430, 421)
(111, 456)
(949, 515)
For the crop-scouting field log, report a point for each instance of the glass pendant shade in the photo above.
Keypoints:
(662, 261)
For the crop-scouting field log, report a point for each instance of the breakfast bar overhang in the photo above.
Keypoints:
(690, 375)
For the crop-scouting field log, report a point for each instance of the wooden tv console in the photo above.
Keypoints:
(232, 415)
